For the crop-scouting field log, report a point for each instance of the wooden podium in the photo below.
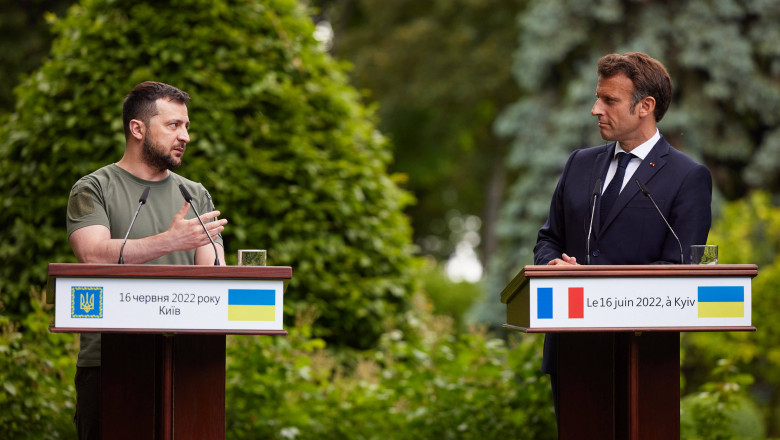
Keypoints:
(617, 341)
(163, 338)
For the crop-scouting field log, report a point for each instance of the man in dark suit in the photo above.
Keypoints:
(632, 96)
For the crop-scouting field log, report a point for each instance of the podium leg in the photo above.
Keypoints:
(619, 385)
(162, 386)
(164, 421)
(199, 387)
(654, 384)
(129, 385)
(586, 399)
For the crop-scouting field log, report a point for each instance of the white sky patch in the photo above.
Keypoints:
(323, 32)
(464, 265)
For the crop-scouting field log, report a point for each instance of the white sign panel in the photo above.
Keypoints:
(182, 304)
(640, 302)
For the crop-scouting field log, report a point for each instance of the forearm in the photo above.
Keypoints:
(93, 244)
(144, 250)
(546, 251)
(205, 256)
(107, 250)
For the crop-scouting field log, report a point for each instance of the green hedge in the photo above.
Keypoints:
(428, 383)
(291, 156)
(747, 231)
(37, 398)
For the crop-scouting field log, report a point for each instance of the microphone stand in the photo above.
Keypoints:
(646, 192)
(141, 202)
(188, 198)
(596, 191)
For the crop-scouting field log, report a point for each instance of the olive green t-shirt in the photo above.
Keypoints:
(109, 197)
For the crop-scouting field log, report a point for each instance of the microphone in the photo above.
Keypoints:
(141, 201)
(596, 193)
(646, 192)
(188, 198)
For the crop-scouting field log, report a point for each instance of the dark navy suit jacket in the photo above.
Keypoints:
(633, 232)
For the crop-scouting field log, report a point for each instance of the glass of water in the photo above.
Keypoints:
(251, 257)
(704, 254)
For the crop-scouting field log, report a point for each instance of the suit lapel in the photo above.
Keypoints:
(652, 163)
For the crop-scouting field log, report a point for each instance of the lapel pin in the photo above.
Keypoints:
(652, 164)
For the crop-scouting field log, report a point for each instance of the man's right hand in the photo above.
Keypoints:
(565, 260)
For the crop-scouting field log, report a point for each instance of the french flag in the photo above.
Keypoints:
(544, 302)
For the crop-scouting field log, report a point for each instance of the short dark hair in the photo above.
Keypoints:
(141, 102)
(648, 75)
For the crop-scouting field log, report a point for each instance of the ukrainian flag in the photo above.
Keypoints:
(251, 305)
(721, 302)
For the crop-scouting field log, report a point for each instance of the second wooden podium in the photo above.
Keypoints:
(618, 337)
(163, 338)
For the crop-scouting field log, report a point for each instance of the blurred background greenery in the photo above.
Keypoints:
(400, 155)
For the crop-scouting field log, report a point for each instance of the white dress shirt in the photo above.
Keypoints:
(640, 152)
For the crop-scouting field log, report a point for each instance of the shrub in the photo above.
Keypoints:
(291, 156)
(36, 373)
(748, 231)
(721, 408)
(449, 298)
(430, 382)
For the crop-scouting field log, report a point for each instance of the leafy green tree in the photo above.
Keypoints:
(440, 72)
(291, 156)
(724, 63)
(24, 41)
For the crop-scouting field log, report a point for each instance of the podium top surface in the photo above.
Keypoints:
(645, 270)
(168, 271)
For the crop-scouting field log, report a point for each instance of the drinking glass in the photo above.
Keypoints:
(251, 257)
(704, 254)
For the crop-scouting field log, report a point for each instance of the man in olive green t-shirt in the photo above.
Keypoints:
(102, 204)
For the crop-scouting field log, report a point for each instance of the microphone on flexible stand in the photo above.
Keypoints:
(646, 192)
(141, 201)
(188, 198)
(596, 193)
(213, 208)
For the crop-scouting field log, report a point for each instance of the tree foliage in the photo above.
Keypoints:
(724, 61)
(721, 409)
(748, 232)
(291, 156)
(440, 72)
(37, 399)
(24, 41)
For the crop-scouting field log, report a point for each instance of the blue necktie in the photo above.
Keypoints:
(613, 190)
